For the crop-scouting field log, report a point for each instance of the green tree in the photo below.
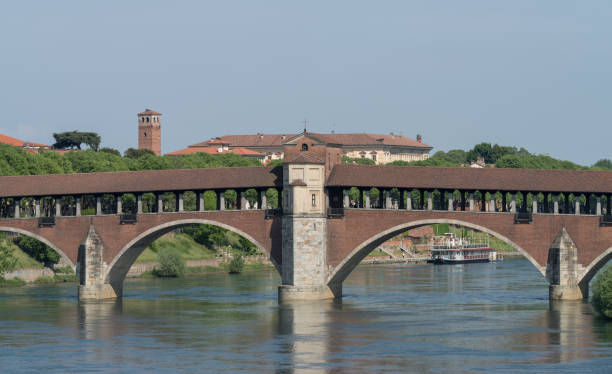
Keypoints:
(74, 139)
(236, 265)
(357, 161)
(272, 198)
(7, 260)
(171, 263)
(38, 250)
(602, 292)
(604, 163)
(138, 153)
(111, 151)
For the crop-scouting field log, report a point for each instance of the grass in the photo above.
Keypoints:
(15, 282)
(184, 244)
(23, 260)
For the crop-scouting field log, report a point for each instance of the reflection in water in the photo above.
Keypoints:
(99, 319)
(393, 318)
(306, 329)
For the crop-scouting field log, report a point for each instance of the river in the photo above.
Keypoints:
(393, 318)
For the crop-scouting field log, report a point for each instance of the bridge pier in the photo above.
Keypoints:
(91, 269)
(562, 270)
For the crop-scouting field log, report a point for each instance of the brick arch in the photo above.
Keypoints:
(41, 239)
(595, 266)
(348, 264)
(118, 268)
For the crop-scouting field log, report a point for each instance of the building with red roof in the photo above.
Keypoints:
(29, 146)
(381, 149)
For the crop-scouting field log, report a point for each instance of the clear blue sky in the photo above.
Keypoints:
(526, 73)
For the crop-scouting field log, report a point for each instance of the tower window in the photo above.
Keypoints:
(314, 200)
(145, 134)
(304, 147)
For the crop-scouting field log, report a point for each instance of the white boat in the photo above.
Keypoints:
(448, 249)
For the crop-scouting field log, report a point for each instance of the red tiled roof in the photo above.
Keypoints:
(487, 179)
(149, 112)
(140, 181)
(215, 151)
(35, 145)
(271, 140)
(11, 141)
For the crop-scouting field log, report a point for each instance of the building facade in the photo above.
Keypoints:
(381, 149)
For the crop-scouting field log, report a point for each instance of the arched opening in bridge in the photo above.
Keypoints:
(25, 250)
(200, 243)
(592, 270)
(402, 245)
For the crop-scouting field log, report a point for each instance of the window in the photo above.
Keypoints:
(314, 200)
(374, 157)
(147, 119)
(304, 147)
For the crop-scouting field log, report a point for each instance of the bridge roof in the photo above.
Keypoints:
(140, 181)
(491, 179)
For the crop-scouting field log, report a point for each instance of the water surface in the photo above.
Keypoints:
(393, 318)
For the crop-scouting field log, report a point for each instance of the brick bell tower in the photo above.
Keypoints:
(149, 131)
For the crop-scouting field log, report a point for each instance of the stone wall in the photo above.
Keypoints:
(304, 250)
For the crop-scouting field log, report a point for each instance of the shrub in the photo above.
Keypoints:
(7, 260)
(64, 270)
(38, 250)
(15, 282)
(236, 265)
(171, 263)
(44, 279)
(602, 292)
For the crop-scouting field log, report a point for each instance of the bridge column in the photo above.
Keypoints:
(200, 201)
(451, 201)
(367, 199)
(58, 207)
(408, 200)
(139, 203)
(160, 203)
(179, 201)
(555, 204)
(346, 199)
(492, 202)
(562, 269)
(99, 205)
(264, 199)
(37, 207)
(513, 204)
(119, 204)
(78, 206)
(598, 207)
(222, 200)
(534, 203)
(17, 206)
(471, 201)
(244, 204)
(577, 206)
(91, 269)
(388, 200)
(304, 234)
(429, 195)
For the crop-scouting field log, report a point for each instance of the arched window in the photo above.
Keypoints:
(304, 147)
(147, 119)
(314, 200)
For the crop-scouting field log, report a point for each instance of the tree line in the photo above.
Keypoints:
(501, 156)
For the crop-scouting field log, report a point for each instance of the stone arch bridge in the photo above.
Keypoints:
(330, 217)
